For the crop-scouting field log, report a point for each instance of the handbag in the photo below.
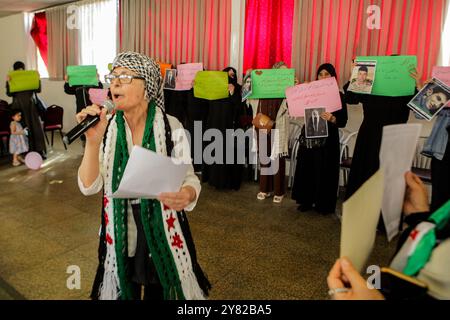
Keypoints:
(261, 121)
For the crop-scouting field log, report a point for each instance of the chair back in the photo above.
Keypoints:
(344, 141)
(53, 118)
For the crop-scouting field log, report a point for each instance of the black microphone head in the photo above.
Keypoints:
(109, 105)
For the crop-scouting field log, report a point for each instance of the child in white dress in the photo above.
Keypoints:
(18, 142)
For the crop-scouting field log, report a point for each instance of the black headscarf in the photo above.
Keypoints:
(19, 65)
(329, 67)
(231, 80)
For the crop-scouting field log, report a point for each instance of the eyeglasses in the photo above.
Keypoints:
(123, 78)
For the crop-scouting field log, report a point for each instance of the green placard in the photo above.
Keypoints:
(271, 83)
(392, 76)
(82, 75)
(211, 85)
(23, 80)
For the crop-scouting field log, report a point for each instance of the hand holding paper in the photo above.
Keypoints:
(178, 200)
(396, 156)
(321, 93)
(148, 174)
(416, 197)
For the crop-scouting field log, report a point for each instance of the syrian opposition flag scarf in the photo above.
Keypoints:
(416, 251)
(164, 234)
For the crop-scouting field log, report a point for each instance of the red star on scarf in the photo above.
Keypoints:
(170, 222)
(414, 234)
(106, 218)
(166, 208)
(109, 239)
(177, 242)
(105, 202)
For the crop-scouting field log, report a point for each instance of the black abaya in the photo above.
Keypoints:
(225, 114)
(24, 102)
(440, 176)
(317, 173)
(175, 103)
(379, 111)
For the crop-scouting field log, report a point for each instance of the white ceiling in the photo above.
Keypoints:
(9, 7)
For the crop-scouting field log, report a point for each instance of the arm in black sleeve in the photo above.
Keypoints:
(341, 115)
(351, 97)
(68, 89)
(38, 90)
(8, 93)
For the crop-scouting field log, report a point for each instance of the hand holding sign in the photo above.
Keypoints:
(442, 74)
(23, 80)
(98, 96)
(393, 77)
(321, 93)
(82, 75)
(186, 74)
(271, 83)
(211, 85)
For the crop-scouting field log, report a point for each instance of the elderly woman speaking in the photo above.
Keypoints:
(143, 243)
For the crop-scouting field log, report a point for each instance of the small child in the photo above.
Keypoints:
(18, 142)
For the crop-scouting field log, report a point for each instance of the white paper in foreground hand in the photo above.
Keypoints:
(397, 152)
(148, 174)
(360, 215)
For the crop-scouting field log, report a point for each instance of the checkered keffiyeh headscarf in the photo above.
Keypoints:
(147, 68)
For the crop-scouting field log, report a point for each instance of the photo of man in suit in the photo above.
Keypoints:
(315, 127)
(169, 80)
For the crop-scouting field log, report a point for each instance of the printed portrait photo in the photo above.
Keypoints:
(431, 99)
(246, 87)
(363, 77)
(170, 78)
(315, 126)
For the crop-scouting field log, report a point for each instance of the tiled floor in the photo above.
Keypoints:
(249, 249)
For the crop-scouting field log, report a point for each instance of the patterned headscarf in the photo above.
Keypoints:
(147, 68)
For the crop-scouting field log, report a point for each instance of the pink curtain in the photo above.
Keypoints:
(39, 34)
(268, 33)
(335, 31)
(175, 31)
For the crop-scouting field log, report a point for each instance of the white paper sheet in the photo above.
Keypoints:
(148, 174)
(397, 152)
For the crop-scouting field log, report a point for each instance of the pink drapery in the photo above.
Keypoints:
(39, 34)
(335, 31)
(176, 31)
(268, 33)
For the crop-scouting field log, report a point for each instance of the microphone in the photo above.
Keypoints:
(87, 123)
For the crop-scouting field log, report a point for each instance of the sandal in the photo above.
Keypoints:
(16, 163)
(263, 196)
(278, 199)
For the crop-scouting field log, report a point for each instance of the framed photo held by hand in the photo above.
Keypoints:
(315, 126)
(170, 79)
(363, 77)
(431, 99)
